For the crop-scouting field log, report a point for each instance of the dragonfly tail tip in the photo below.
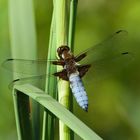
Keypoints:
(86, 109)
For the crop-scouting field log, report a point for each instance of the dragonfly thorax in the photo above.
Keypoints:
(70, 66)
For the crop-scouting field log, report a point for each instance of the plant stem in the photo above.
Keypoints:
(62, 39)
(50, 88)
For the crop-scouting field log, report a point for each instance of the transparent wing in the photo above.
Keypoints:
(38, 81)
(107, 57)
(30, 67)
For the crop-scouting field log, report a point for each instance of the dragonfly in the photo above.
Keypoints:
(102, 59)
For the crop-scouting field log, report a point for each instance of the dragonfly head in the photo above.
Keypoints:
(62, 49)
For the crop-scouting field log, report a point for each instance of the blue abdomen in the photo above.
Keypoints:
(78, 90)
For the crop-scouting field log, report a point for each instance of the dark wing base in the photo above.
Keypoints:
(81, 69)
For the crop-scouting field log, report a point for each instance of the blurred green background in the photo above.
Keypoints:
(114, 103)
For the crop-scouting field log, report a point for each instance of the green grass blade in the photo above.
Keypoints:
(58, 110)
(23, 46)
(22, 29)
(51, 85)
(72, 22)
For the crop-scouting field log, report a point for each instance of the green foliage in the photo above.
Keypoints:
(113, 103)
(58, 110)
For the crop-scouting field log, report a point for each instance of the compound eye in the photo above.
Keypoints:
(66, 48)
(62, 48)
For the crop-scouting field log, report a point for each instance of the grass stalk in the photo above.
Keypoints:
(48, 119)
(62, 39)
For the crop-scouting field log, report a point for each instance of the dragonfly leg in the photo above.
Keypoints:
(83, 69)
(62, 74)
(80, 57)
(59, 62)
